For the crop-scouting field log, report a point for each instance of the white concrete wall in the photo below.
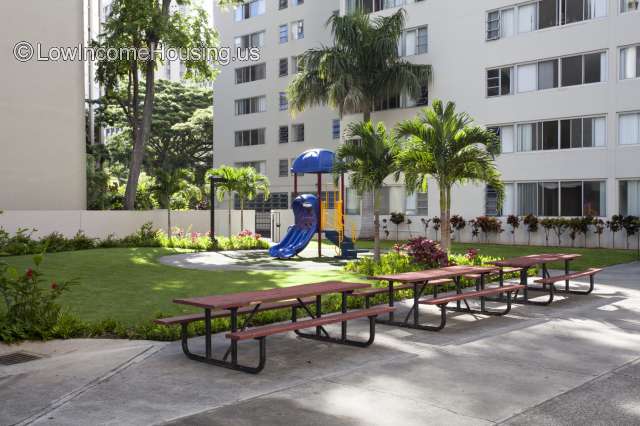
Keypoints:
(42, 136)
(100, 224)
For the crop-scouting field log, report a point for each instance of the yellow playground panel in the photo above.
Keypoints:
(335, 220)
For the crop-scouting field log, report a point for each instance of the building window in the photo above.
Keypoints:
(352, 205)
(283, 168)
(258, 166)
(491, 202)
(506, 135)
(283, 67)
(580, 132)
(283, 4)
(583, 132)
(295, 65)
(417, 204)
(250, 40)
(283, 101)
(499, 81)
(283, 134)
(329, 197)
(284, 33)
(500, 23)
(251, 73)
(563, 198)
(251, 105)
(385, 200)
(297, 30)
(249, 10)
(629, 132)
(628, 5)
(629, 198)
(388, 102)
(298, 132)
(249, 137)
(298, 2)
(575, 70)
(630, 62)
(276, 201)
(415, 41)
(335, 128)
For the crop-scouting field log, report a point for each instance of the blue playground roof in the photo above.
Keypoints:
(314, 161)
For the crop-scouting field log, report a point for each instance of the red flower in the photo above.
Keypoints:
(29, 273)
(54, 285)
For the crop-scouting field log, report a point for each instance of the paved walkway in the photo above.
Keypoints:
(254, 260)
(577, 361)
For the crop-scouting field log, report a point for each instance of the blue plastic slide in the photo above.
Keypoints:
(305, 210)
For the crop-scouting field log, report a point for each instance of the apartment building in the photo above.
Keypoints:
(557, 79)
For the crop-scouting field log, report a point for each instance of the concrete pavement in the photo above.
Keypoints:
(576, 361)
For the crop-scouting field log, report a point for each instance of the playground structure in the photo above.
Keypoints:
(312, 212)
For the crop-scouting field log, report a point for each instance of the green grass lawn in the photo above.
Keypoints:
(129, 285)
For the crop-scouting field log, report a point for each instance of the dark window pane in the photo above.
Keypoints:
(587, 132)
(594, 199)
(548, 74)
(505, 81)
(571, 199)
(547, 14)
(638, 61)
(592, 68)
(493, 82)
(550, 135)
(549, 196)
(572, 11)
(624, 194)
(565, 134)
(576, 133)
(572, 70)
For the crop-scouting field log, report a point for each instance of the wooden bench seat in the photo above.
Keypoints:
(471, 294)
(551, 281)
(187, 319)
(268, 330)
(374, 291)
(494, 275)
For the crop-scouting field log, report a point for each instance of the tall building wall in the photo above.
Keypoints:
(585, 180)
(42, 142)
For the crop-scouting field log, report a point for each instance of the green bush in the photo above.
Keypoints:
(28, 309)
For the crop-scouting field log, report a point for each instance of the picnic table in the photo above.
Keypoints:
(524, 263)
(437, 278)
(250, 303)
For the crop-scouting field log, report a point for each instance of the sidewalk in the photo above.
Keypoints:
(575, 361)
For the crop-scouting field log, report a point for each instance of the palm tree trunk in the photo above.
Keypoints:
(367, 230)
(241, 214)
(376, 225)
(445, 236)
(229, 207)
(169, 222)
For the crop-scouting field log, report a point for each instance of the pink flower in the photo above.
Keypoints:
(54, 285)
(29, 273)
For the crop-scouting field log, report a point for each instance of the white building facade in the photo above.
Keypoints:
(559, 80)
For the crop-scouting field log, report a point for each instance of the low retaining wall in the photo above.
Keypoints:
(100, 224)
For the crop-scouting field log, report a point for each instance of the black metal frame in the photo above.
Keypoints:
(418, 291)
(567, 289)
(233, 346)
(343, 339)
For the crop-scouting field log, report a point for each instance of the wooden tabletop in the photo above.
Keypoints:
(535, 259)
(238, 300)
(435, 274)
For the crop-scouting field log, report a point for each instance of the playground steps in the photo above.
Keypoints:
(347, 247)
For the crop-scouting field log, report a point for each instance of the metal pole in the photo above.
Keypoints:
(212, 231)
(342, 196)
(295, 186)
(320, 215)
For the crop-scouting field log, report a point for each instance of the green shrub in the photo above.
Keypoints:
(29, 309)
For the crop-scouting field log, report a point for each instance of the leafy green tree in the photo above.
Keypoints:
(370, 157)
(362, 66)
(171, 182)
(250, 184)
(226, 188)
(129, 82)
(444, 145)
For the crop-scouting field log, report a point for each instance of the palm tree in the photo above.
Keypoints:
(446, 146)
(362, 66)
(169, 182)
(227, 187)
(370, 157)
(250, 184)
